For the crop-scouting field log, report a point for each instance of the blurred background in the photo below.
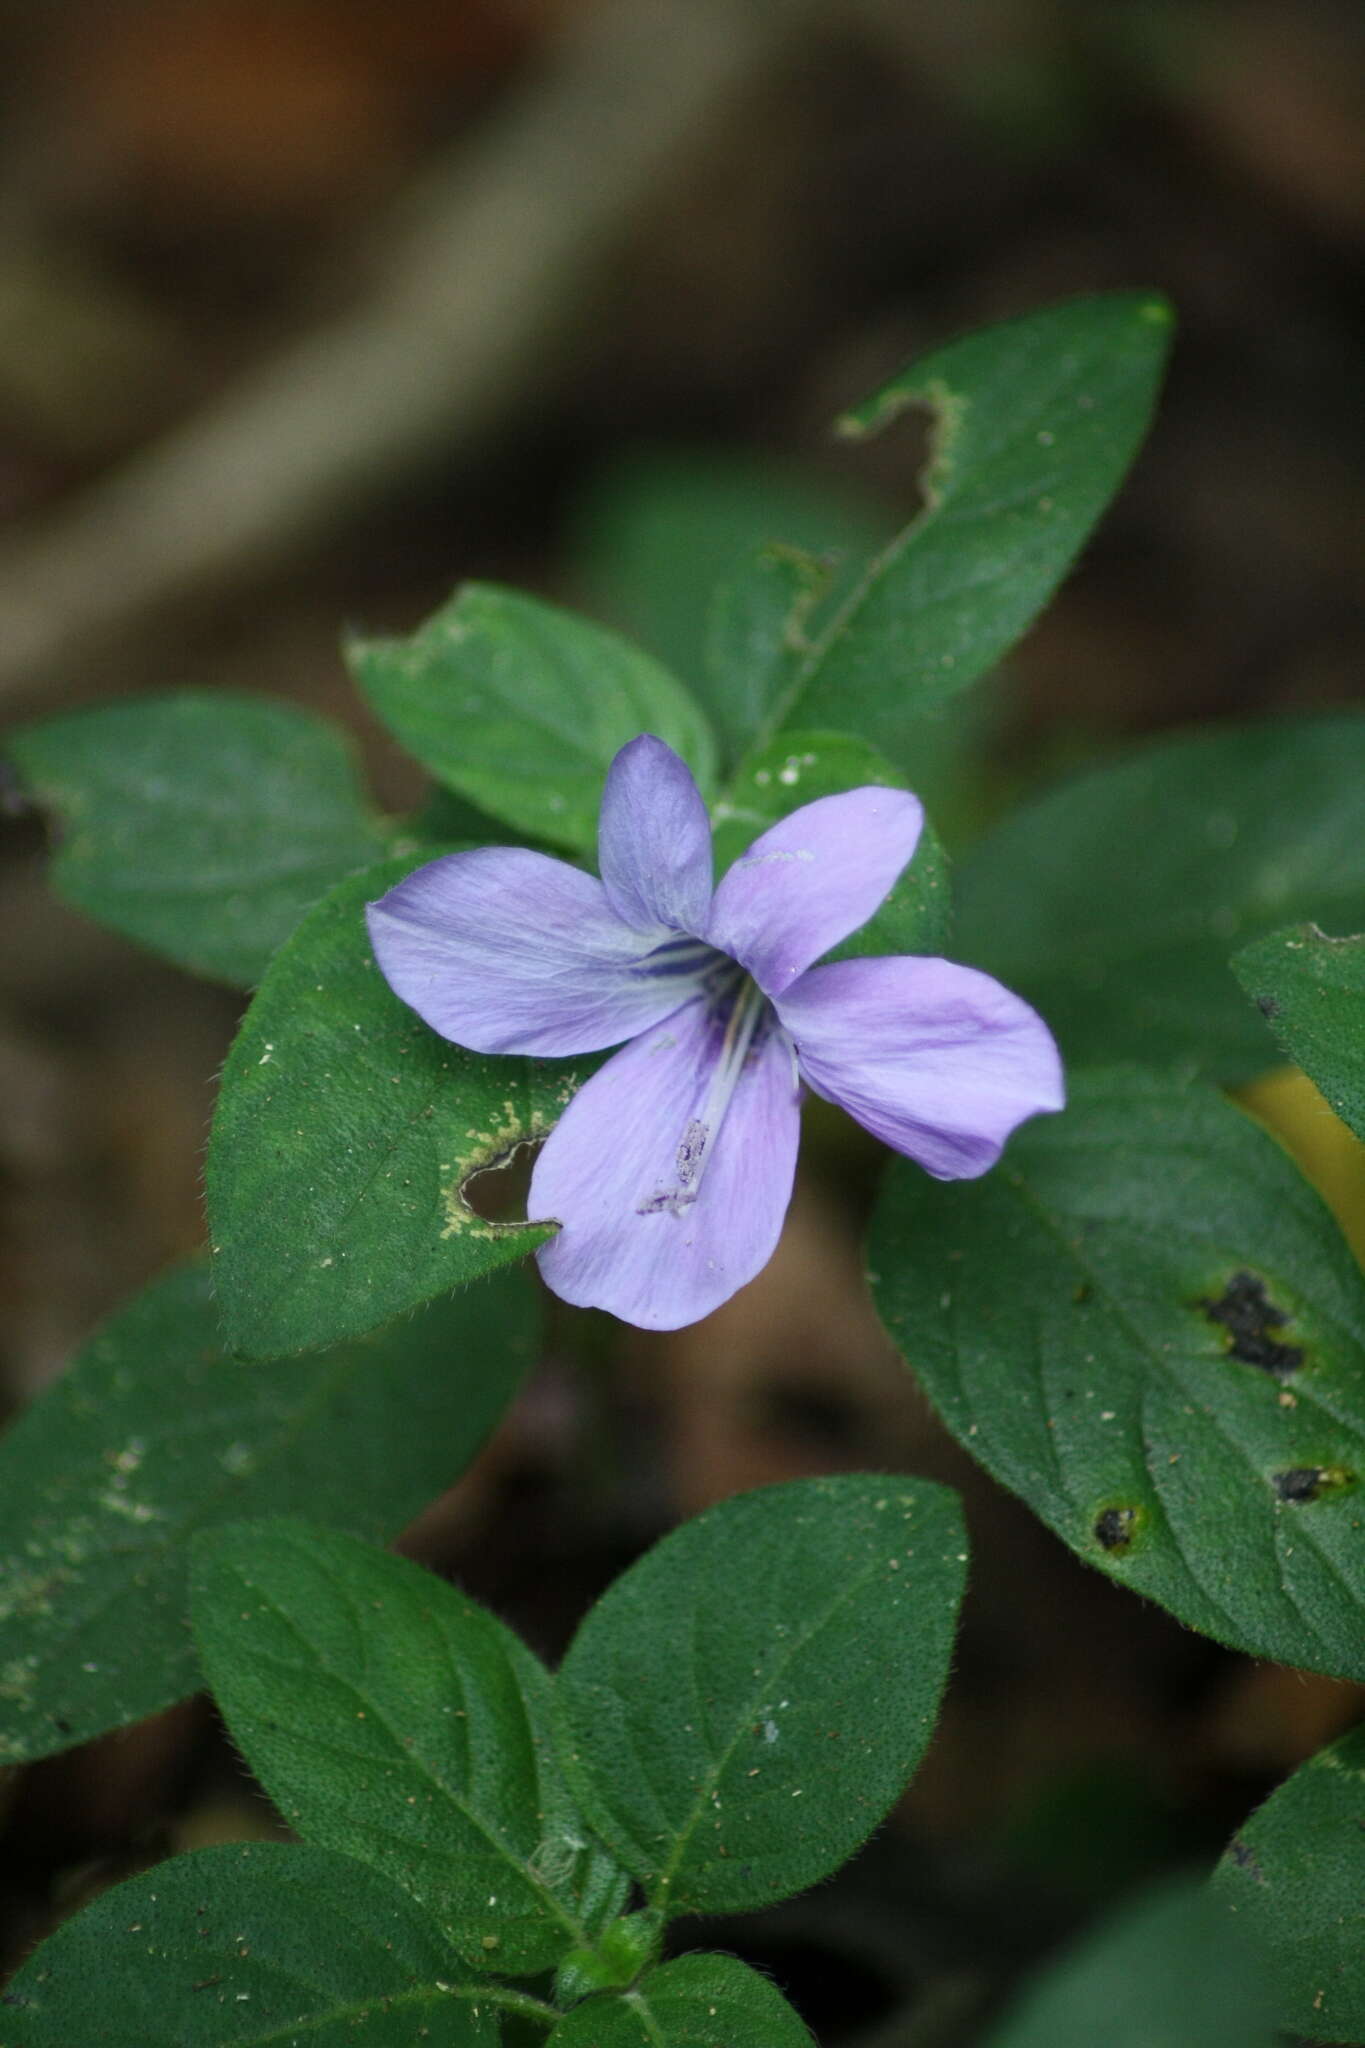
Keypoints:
(310, 309)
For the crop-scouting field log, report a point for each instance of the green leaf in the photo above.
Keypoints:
(795, 770)
(1295, 1878)
(1114, 902)
(392, 1719)
(248, 1946)
(756, 628)
(1311, 991)
(697, 2002)
(1166, 1972)
(1034, 425)
(519, 707)
(626, 1949)
(939, 756)
(344, 1135)
(659, 535)
(202, 824)
(446, 820)
(1146, 1323)
(153, 1433)
(734, 1751)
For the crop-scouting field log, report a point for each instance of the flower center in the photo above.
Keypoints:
(740, 1008)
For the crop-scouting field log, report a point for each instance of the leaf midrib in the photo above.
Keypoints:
(644, 2012)
(354, 2013)
(947, 490)
(378, 1712)
(744, 1719)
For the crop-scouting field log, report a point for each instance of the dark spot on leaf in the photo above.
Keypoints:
(1083, 1293)
(1299, 1484)
(1115, 1528)
(1268, 1006)
(1245, 1860)
(1302, 1483)
(1246, 1311)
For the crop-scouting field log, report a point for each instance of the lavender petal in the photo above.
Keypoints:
(507, 951)
(938, 1061)
(654, 840)
(663, 1217)
(811, 879)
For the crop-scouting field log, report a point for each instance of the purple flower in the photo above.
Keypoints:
(670, 1171)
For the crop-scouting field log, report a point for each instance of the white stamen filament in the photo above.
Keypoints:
(698, 1140)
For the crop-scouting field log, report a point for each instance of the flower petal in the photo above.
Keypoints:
(615, 1171)
(937, 1060)
(504, 950)
(811, 879)
(654, 839)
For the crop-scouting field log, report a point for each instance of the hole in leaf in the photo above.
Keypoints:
(1246, 1312)
(905, 437)
(498, 1192)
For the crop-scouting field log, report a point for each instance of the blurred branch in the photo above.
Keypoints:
(487, 271)
(86, 363)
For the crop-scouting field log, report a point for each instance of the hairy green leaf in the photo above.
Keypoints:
(153, 1433)
(202, 824)
(734, 1751)
(1114, 903)
(249, 1946)
(1034, 425)
(345, 1133)
(1146, 1323)
(1295, 1878)
(699, 2001)
(519, 707)
(756, 638)
(660, 536)
(801, 767)
(1311, 991)
(392, 1719)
